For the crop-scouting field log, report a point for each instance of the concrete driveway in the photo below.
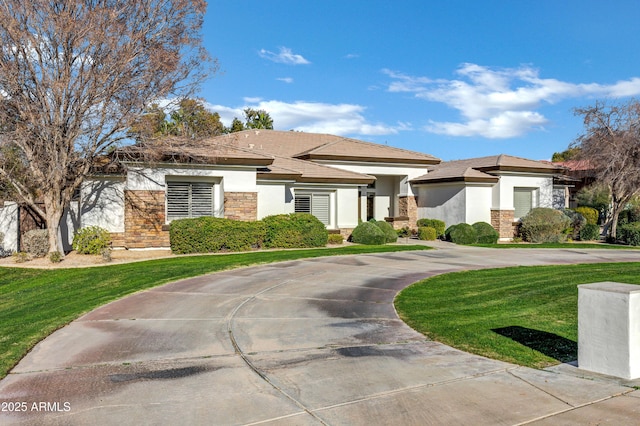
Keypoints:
(299, 343)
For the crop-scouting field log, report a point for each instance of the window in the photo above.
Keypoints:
(316, 204)
(189, 199)
(524, 199)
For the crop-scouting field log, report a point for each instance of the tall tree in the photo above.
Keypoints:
(75, 75)
(193, 121)
(258, 119)
(611, 144)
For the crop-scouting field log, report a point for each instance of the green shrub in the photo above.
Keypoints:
(577, 223)
(295, 230)
(36, 242)
(212, 234)
(368, 233)
(462, 233)
(544, 225)
(55, 257)
(335, 239)
(589, 213)
(590, 232)
(438, 225)
(427, 233)
(404, 232)
(486, 233)
(91, 240)
(630, 233)
(391, 236)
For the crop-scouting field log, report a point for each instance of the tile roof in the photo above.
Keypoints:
(306, 171)
(477, 169)
(317, 146)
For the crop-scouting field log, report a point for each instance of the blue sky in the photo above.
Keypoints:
(455, 79)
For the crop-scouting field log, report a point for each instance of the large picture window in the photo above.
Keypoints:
(315, 203)
(189, 199)
(524, 199)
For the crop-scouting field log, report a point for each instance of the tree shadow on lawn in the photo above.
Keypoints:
(552, 345)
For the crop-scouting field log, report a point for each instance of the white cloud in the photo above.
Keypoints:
(287, 80)
(316, 117)
(499, 102)
(285, 56)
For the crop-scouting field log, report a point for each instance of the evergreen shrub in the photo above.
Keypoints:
(368, 233)
(589, 213)
(427, 233)
(391, 236)
(295, 230)
(335, 239)
(462, 233)
(590, 232)
(437, 224)
(212, 234)
(544, 225)
(91, 240)
(486, 233)
(630, 233)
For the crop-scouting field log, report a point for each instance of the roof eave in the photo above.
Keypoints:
(420, 161)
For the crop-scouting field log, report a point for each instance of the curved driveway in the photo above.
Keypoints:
(298, 343)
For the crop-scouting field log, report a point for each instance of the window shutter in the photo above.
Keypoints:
(522, 201)
(201, 199)
(320, 207)
(177, 200)
(303, 204)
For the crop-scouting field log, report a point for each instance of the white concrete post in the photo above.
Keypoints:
(609, 329)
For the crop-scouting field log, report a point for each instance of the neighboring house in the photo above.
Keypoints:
(498, 189)
(580, 173)
(255, 173)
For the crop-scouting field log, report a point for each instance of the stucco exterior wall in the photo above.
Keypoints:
(478, 203)
(9, 225)
(154, 179)
(503, 191)
(445, 202)
(102, 204)
(347, 208)
(274, 198)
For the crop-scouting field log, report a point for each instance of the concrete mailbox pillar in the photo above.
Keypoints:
(609, 329)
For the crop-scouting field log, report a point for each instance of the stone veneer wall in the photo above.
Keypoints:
(144, 219)
(503, 222)
(408, 206)
(241, 205)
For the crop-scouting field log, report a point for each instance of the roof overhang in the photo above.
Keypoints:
(365, 159)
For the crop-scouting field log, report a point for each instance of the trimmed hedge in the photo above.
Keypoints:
(213, 234)
(335, 239)
(486, 233)
(391, 236)
(91, 240)
(544, 225)
(589, 213)
(427, 233)
(368, 233)
(590, 232)
(436, 224)
(295, 230)
(630, 233)
(462, 233)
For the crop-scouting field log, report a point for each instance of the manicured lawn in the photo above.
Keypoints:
(36, 302)
(523, 315)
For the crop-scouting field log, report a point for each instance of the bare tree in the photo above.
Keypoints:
(74, 75)
(611, 144)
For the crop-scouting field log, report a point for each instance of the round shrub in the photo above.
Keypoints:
(630, 233)
(368, 233)
(462, 233)
(391, 236)
(438, 225)
(427, 233)
(294, 230)
(486, 233)
(36, 242)
(589, 213)
(213, 234)
(590, 232)
(335, 239)
(544, 225)
(577, 223)
(91, 240)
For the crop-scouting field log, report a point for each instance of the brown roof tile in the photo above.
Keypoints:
(305, 171)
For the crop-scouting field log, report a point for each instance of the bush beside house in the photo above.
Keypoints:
(368, 233)
(436, 224)
(462, 233)
(36, 242)
(544, 225)
(486, 233)
(427, 233)
(390, 234)
(91, 240)
(211, 234)
(295, 230)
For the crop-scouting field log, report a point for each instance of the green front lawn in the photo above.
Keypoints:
(523, 315)
(36, 302)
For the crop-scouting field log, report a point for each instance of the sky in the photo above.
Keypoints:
(451, 78)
